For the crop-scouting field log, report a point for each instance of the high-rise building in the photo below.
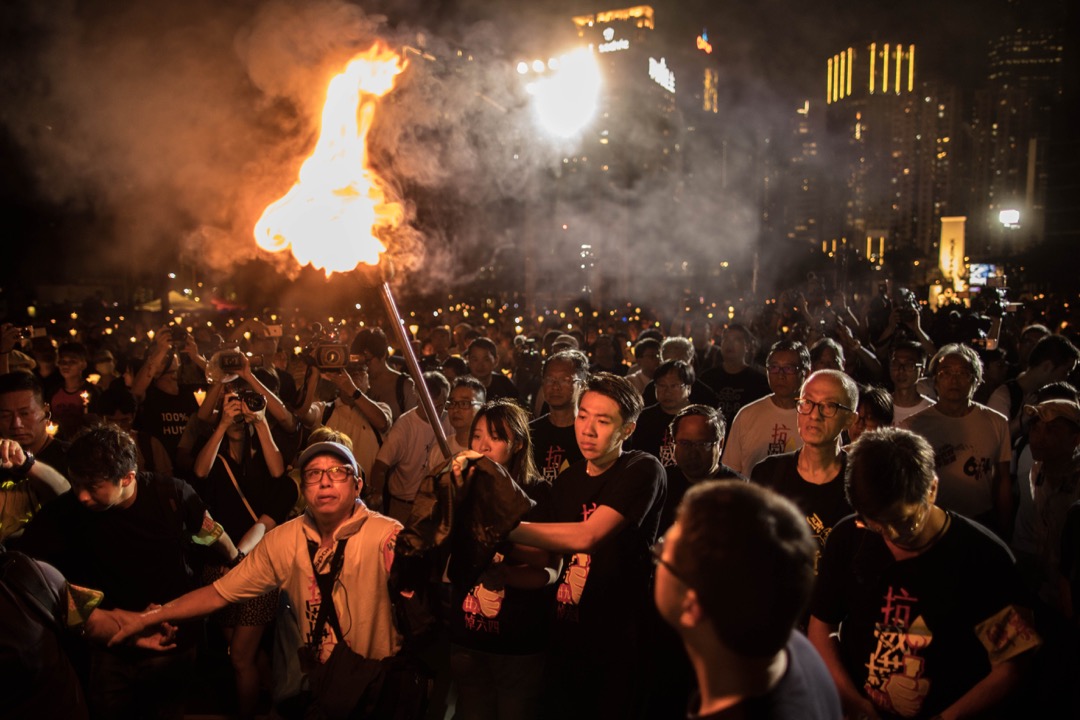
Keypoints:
(893, 137)
(1011, 123)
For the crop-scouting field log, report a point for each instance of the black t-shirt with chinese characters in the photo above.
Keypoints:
(919, 633)
(805, 692)
(734, 390)
(554, 448)
(601, 594)
(653, 434)
(677, 485)
(822, 505)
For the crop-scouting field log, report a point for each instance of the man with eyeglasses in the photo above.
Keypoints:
(734, 574)
(673, 380)
(292, 554)
(554, 444)
(933, 611)
(813, 476)
(467, 394)
(906, 364)
(768, 426)
(971, 442)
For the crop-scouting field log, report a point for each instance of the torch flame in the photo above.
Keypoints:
(331, 216)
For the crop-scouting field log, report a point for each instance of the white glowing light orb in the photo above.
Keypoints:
(566, 100)
(522, 68)
(1009, 218)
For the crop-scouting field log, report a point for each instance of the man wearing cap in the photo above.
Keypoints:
(290, 555)
(1054, 437)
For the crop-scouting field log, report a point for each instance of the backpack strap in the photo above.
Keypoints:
(325, 581)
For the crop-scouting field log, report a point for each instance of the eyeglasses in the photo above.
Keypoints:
(907, 367)
(337, 474)
(783, 369)
(462, 404)
(828, 409)
(560, 381)
(658, 559)
(954, 374)
(675, 387)
(903, 528)
(696, 444)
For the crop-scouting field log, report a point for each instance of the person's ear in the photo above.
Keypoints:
(628, 429)
(932, 494)
(691, 613)
(127, 479)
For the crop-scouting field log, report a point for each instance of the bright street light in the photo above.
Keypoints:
(565, 100)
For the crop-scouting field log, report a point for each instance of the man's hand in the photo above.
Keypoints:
(231, 409)
(130, 624)
(10, 336)
(343, 382)
(11, 454)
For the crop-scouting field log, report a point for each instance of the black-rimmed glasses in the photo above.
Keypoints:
(828, 409)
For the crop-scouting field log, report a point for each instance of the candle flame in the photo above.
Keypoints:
(332, 216)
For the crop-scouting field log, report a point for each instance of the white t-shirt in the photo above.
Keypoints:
(406, 450)
(967, 451)
(900, 414)
(760, 429)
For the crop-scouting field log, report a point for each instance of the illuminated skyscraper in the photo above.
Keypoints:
(894, 136)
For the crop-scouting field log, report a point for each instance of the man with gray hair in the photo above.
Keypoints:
(813, 476)
(971, 442)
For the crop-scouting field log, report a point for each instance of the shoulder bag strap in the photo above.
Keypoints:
(327, 611)
(228, 469)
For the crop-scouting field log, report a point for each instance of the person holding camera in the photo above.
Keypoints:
(240, 474)
(164, 410)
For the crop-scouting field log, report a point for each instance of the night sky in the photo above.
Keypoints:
(139, 129)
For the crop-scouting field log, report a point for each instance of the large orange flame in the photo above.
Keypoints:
(332, 215)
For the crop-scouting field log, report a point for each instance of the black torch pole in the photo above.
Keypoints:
(414, 367)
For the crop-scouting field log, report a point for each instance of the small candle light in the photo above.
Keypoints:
(200, 396)
(150, 334)
(93, 378)
(51, 428)
(85, 395)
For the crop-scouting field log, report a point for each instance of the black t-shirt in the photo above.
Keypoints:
(822, 505)
(733, 390)
(912, 630)
(165, 416)
(268, 495)
(601, 594)
(501, 387)
(677, 485)
(653, 435)
(134, 554)
(554, 448)
(805, 692)
(700, 394)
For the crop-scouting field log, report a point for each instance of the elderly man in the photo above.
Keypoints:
(971, 442)
(813, 476)
(338, 549)
(732, 546)
(767, 426)
(930, 602)
(31, 460)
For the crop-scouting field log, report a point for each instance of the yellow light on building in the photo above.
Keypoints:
(828, 83)
(911, 68)
(899, 60)
(850, 62)
(840, 75)
(873, 65)
(885, 69)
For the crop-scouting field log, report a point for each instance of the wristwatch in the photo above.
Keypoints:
(24, 469)
(356, 394)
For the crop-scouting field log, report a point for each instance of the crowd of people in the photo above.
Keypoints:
(823, 508)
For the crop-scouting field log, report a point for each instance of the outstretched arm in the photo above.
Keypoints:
(194, 604)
